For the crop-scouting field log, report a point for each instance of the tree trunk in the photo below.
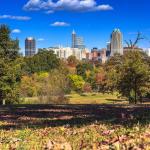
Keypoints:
(135, 90)
(4, 102)
(135, 98)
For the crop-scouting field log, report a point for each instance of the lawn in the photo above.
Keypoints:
(86, 98)
(75, 127)
(94, 98)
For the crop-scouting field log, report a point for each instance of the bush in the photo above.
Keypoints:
(87, 88)
(54, 87)
(76, 82)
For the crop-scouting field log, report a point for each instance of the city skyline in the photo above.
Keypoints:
(92, 19)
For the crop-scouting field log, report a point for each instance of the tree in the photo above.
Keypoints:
(90, 78)
(87, 88)
(100, 80)
(134, 76)
(112, 70)
(76, 82)
(49, 87)
(129, 75)
(10, 67)
(72, 61)
(9, 48)
(84, 69)
(43, 61)
(53, 87)
(133, 44)
(29, 86)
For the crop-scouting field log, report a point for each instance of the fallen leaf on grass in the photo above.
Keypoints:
(108, 132)
(58, 144)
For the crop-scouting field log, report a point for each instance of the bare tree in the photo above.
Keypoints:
(132, 44)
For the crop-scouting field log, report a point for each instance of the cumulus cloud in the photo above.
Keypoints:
(16, 31)
(66, 5)
(104, 7)
(23, 18)
(60, 24)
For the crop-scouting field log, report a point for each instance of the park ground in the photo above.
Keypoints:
(102, 126)
(83, 98)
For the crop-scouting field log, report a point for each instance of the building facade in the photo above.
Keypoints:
(147, 50)
(108, 51)
(116, 42)
(97, 55)
(77, 41)
(65, 52)
(73, 39)
(30, 46)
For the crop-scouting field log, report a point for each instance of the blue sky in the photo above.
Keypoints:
(52, 21)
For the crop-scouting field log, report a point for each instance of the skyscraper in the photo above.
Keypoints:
(30, 46)
(77, 42)
(116, 42)
(80, 42)
(108, 51)
(73, 39)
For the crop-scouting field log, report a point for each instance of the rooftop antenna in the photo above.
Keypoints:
(73, 32)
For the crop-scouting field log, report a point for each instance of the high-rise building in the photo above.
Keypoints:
(80, 42)
(30, 46)
(108, 46)
(73, 39)
(108, 51)
(116, 42)
(77, 42)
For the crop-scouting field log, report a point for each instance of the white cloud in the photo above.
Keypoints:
(104, 7)
(23, 18)
(60, 24)
(66, 5)
(16, 31)
(49, 12)
(41, 39)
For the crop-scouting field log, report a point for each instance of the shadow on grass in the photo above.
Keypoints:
(40, 116)
(116, 100)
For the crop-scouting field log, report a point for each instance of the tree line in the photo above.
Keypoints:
(47, 77)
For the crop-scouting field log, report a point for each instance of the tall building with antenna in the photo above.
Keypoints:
(77, 42)
(73, 39)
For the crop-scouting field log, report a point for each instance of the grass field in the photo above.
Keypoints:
(94, 98)
(75, 127)
(90, 98)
